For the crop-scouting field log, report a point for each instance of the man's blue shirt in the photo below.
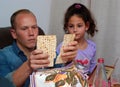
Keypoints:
(11, 58)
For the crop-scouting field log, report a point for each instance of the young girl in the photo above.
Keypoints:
(78, 21)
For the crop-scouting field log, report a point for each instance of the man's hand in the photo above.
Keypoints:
(38, 59)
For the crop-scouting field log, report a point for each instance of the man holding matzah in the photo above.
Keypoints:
(20, 59)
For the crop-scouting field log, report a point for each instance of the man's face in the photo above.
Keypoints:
(26, 31)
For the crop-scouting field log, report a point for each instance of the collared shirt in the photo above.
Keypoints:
(11, 58)
(5, 82)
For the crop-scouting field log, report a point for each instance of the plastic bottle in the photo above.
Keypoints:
(100, 78)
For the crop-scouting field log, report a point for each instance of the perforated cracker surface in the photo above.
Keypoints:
(47, 43)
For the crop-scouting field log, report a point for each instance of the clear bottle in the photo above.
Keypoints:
(100, 78)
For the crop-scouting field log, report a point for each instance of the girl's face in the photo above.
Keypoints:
(77, 26)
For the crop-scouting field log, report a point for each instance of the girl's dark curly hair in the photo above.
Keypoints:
(82, 12)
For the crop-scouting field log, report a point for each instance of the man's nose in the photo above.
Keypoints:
(31, 31)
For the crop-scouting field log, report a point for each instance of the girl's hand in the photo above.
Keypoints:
(70, 51)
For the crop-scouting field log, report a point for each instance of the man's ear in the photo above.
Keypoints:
(13, 33)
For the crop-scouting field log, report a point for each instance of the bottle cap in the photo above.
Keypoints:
(100, 60)
(90, 85)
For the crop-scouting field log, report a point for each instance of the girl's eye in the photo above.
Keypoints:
(79, 26)
(70, 26)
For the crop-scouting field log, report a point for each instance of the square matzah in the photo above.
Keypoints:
(47, 43)
(66, 40)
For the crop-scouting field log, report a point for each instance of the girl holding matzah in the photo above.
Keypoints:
(78, 21)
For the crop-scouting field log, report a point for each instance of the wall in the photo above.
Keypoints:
(41, 8)
(107, 14)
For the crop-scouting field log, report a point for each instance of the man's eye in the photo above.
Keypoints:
(24, 28)
(35, 27)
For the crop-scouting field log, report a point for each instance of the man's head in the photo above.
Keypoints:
(24, 28)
